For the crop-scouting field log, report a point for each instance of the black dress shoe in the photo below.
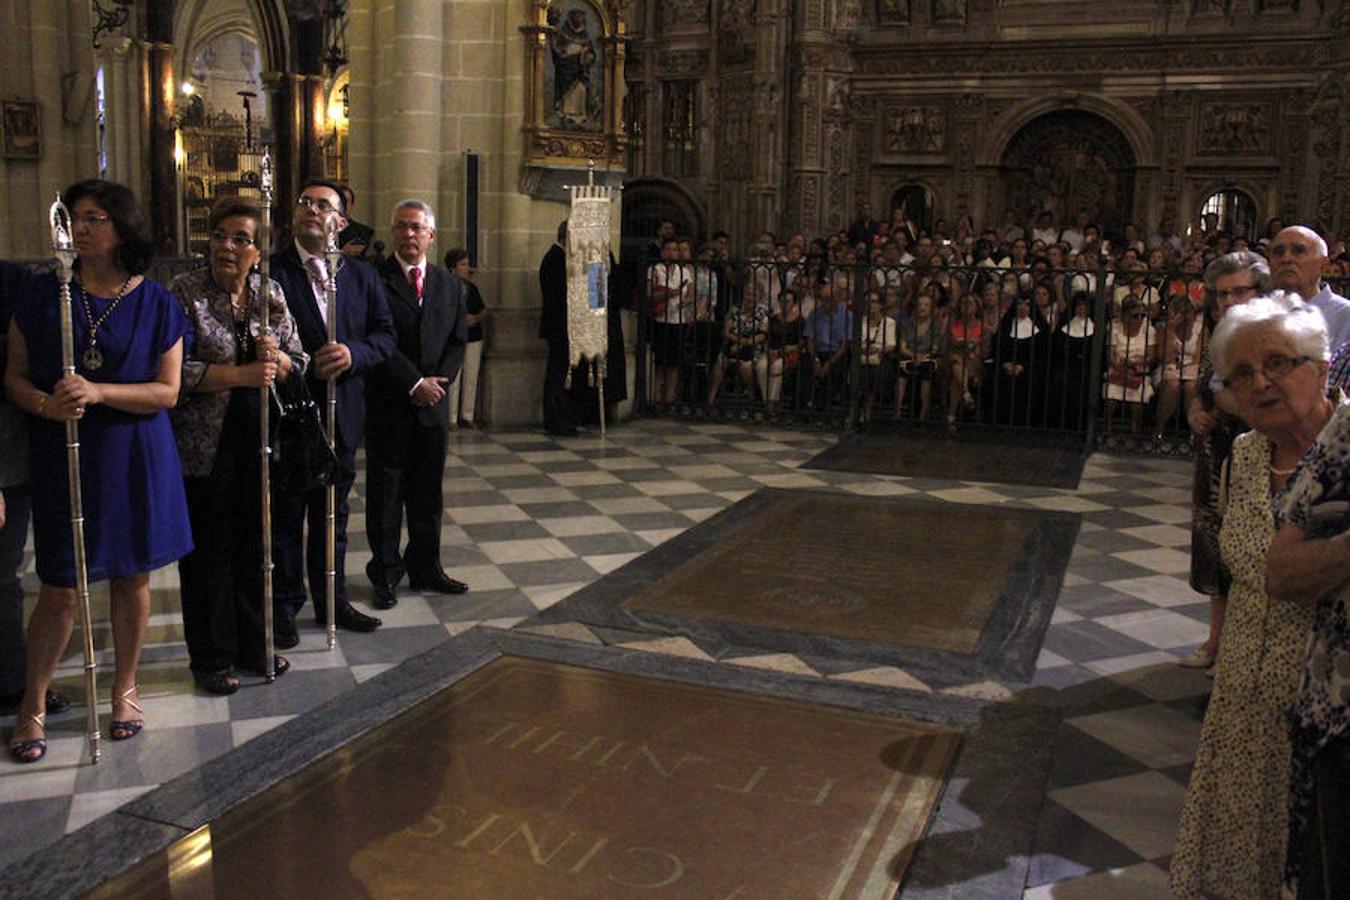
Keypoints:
(439, 582)
(384, 598)
(284, 633)
(350, 619)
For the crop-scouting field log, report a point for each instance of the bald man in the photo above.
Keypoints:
(1298, 257)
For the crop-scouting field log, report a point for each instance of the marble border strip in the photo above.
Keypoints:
(1010, 741)
(1007, 648)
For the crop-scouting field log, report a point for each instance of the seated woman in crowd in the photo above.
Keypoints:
(744, 335)
(920, 352)
(129, 338)
(1019, 368)
(1182, 343)
(1071, 365)
(965, 353)
(1046, 305)
(216, 427)
(1131, 353)
(1272, 356)
(784, 348)
(877, 353)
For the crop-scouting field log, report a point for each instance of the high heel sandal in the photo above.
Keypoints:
(126, 729)
(22, 750)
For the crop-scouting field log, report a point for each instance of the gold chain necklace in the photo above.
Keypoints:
(92, 357)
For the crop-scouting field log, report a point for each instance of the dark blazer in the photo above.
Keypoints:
(363, 324)
(431, 340)
(553, 287)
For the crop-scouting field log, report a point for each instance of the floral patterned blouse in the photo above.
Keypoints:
(1317, 500)
(199, 418)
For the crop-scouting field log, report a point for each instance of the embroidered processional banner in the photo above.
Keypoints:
(588, 278)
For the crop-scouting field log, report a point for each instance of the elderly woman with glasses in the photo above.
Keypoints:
(1232, 279)
(129, 338)
(216, 428)
(1272, 356)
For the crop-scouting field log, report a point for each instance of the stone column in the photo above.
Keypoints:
(121, 62)
(161, 96)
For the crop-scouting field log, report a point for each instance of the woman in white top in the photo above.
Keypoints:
(1181, 349)
(1132, 348)
(877, 352)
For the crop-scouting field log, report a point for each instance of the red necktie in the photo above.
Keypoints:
(415, 279)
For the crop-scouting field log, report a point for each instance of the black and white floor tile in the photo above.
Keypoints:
(530, 519)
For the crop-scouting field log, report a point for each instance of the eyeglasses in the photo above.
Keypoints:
(238, 239)
(1273, 367)
(412, 227)
(93, 220)
(318, 203)
(1242, 290)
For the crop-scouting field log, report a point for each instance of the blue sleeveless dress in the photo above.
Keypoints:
(135, 513)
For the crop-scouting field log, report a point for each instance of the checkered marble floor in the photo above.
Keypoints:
(530, 519)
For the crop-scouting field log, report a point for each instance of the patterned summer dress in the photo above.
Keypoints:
(1315, 501)
(1209, 576)
(1233, 827)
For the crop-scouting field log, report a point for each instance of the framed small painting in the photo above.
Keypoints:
(21, 129)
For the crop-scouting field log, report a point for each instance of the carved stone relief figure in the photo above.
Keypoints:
(847, 17)
(1212, 7)
(1068, 161)
(892, 12)
(1234, 128)
(949, 10)
(915, 129)
(675, 13)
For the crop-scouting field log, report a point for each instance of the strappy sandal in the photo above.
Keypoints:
(23, 751)
(221, 683)
(126, 729)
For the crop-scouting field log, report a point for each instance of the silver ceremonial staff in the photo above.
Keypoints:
(264, 411)
(63, 248)
(333, 255)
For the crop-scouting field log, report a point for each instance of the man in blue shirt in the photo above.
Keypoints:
(1298, 256)
(829, 335)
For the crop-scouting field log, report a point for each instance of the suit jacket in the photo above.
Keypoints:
(553, 287)
(15, 282)
(431, 340)
(363, 324)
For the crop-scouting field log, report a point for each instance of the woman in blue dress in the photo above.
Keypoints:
(129, 340)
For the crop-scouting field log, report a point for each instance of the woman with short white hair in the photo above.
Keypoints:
(1272, 356)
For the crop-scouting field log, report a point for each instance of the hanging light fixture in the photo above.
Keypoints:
(334, 35)
(109, 16)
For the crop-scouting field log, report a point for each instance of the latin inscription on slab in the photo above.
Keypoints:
(851, 567)
(535, 779)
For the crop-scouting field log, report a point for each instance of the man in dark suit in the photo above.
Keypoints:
(365, 338)
(553, 328)
(410, 411)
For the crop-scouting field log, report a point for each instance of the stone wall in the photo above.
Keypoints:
(47, 59)
(878, 94)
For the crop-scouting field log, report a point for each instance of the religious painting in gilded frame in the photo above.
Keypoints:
(21, 126)
(575, 53)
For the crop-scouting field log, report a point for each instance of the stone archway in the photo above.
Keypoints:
(647, 201)
(1068, 160)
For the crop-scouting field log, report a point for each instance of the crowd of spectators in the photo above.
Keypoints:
(992, 324)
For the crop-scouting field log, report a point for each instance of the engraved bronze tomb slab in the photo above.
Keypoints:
(531, 778)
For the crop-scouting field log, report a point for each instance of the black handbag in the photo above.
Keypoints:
(302, 458)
